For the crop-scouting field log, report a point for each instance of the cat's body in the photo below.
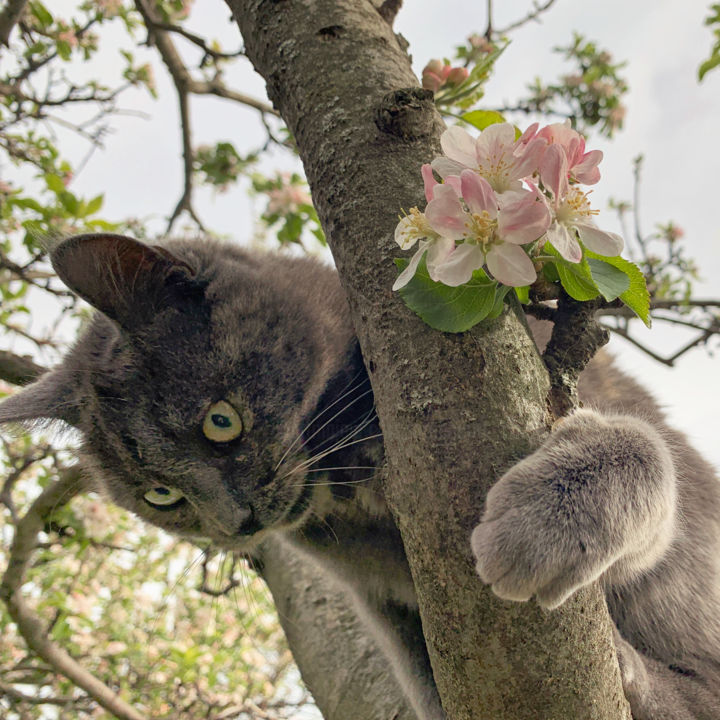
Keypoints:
(224, 397)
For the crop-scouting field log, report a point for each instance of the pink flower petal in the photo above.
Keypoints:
(587, 171)
(564, 242)
(458, 145)
(459, 266)
(407, 274)
(477, 193)
(429, 180)
(599, 241)
(454, 182)
(523, 220)
(554, 171)
(510, 265)
(445, 213)
(528, 157)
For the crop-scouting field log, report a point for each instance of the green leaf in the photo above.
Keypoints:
(41, 13)
(54, 183)
(69, 202)
(636, 297)
(94, 205)
(712, 62)
(481, 119)
(450, 309)
(497, 308)
(523, 294)
(576, 278)
(611, 281)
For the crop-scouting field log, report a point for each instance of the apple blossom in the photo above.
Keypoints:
(582, 166)
(494, 154)
(572, 212)
(492, 229)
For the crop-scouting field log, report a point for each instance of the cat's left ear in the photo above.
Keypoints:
(123, 278)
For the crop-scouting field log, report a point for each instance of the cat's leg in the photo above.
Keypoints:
(599, 497)
(658, 692)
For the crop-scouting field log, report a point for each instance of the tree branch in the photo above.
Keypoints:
(18, 369)
(9, 17)
(576, 337)
(533, 15)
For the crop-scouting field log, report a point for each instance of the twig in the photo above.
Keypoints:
(18, 369)
(18, 696)
(669, 361)
(197, 40)
(575, 339)
(30, 626)
(533, 15)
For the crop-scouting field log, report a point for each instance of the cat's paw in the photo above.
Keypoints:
(521, 549)
(598, 493)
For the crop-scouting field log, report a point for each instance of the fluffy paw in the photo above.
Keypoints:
(524, 552)
(598, 490)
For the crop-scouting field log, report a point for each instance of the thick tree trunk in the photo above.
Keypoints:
(456, 410)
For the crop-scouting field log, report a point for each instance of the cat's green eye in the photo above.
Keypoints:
(163, 497)
(222, 422)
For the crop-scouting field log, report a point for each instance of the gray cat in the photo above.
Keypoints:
(222, 395)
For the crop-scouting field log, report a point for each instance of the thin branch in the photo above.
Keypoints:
(489, 29)
(576, 337)
(18, 369)
(669, 361)
(9, 17)
(18, 696)
(197, 40)
(533, 15)
(30, 625)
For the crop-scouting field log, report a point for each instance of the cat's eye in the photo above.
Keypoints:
(222, 422)
(163, 497)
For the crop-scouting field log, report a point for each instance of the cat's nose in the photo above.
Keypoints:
(231, 519)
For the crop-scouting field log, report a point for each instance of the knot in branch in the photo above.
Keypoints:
(408, 113)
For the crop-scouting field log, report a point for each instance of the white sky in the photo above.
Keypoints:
(671, 120)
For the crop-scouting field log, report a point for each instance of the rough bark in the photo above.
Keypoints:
(455, 409)
(340, 663)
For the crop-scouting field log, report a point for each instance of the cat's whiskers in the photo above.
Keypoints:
(320, 414)
(339, 445)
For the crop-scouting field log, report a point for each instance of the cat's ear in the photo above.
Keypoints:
(52, 397)
(123, 278)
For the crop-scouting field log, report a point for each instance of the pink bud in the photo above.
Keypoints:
(457, 75)
(431, 81)
(434, 66)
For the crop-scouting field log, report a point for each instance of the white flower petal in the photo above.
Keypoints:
(458, 145)
(438, 252)
(564, 242)
(407, 274)
(406, 232)
(445, 166)
(459, 266)
(510, 265)
(599, 241)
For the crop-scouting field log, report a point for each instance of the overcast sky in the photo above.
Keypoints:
(671, 119)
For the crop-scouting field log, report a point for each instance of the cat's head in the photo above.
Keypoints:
(193, 382)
